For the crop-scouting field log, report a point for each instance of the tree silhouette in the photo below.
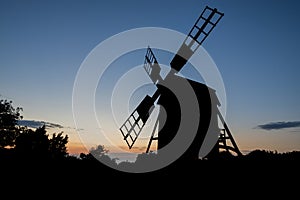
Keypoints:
(37, 144)
(97, 154)
(57, 145)
(32, 144)
(24, 143)
(9, 130)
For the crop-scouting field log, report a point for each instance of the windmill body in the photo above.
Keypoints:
(170, 114)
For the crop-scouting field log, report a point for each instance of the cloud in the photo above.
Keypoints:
(279, 125)
(37, 124)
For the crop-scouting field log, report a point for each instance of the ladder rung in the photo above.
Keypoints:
(130, 137)
(223, 139)
(205, 19)
(208, 8)
(126, 127)
(133, 117)
(134, 132)
(197, 27)
(128, 144)
(195, 39)
(211, 9)
(204, 33)
(123, 133)
(130, 122)
(213, 24)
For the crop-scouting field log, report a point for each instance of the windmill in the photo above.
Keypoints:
(207, 100)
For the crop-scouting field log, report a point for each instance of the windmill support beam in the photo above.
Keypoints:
(235, 147)
(152, 136)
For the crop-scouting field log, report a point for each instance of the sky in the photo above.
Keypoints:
(254, 46)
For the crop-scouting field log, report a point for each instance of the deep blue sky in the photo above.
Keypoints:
(255, 46)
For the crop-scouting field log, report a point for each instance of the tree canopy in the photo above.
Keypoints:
(9, 130)
(25, 142)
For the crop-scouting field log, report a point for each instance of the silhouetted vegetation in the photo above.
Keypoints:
(37, 144)
(264, 155)
(97, 154)
(23, 143)
(9, 130)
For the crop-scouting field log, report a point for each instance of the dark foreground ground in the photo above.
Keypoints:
(248, 177)
(73, 168)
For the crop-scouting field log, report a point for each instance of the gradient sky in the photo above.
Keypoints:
(255, 46)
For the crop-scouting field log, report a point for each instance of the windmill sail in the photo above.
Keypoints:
(201, 29)
(152, 67)
(134, 124)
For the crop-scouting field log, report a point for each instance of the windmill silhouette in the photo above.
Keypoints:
(169, 122)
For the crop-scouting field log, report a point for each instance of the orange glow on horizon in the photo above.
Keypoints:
(77, 148)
